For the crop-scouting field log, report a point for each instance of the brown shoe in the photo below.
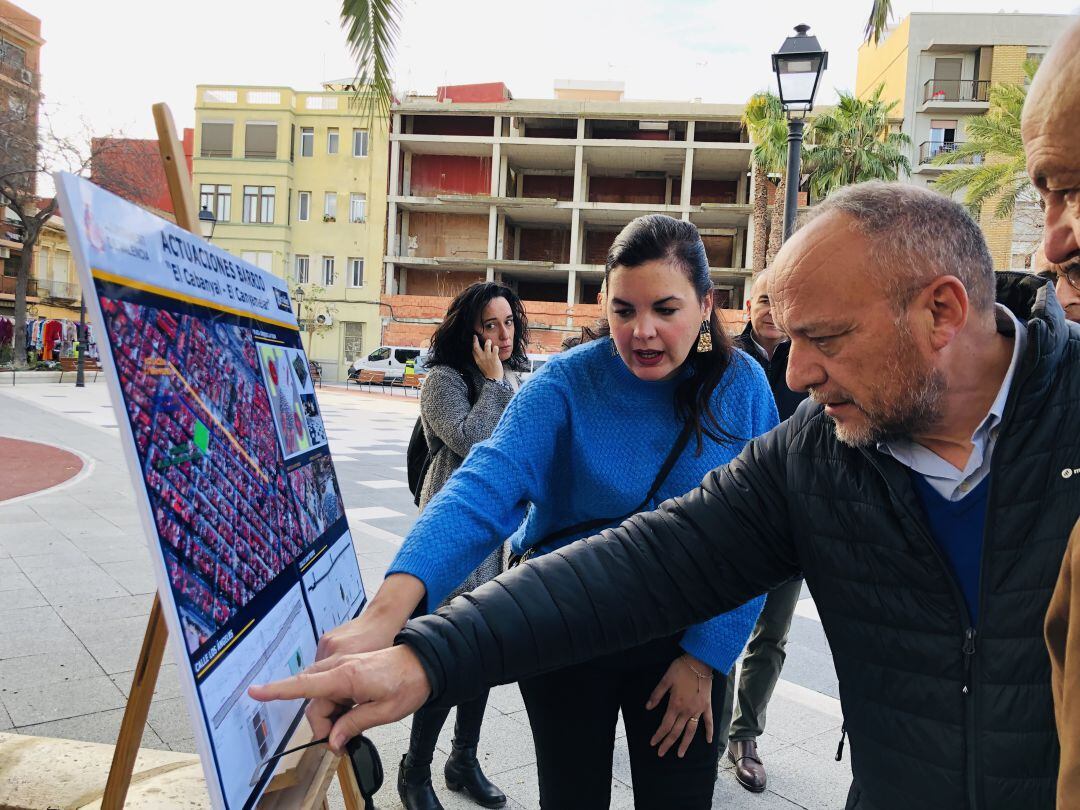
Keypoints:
(749, 770)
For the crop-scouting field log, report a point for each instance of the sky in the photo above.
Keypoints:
(106, 62)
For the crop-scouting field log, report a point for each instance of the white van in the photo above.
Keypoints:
(390, 360)
(535, 362)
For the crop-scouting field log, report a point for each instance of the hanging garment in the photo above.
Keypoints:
(50, 335)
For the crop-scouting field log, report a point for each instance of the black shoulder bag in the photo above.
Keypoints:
(420, 454)
(588, 527)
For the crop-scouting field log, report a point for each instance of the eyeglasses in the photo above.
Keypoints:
(1071, 275)
(364, 757)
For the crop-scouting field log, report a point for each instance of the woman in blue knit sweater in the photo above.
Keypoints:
(585, 440)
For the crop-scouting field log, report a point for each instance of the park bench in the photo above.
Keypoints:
(69, 364)
(368, 378)
(408, 382)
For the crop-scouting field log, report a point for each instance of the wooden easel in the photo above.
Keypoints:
(302, 778)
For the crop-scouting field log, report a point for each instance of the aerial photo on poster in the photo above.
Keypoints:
(226, 441)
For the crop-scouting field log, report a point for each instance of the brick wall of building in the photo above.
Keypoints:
(461, 236)
(547, 320)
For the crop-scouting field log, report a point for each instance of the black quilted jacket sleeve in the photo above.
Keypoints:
(696, 556)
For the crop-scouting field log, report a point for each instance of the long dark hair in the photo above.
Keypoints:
(656, 236)
(452, 343)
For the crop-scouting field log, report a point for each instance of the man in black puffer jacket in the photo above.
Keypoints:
(921, 493)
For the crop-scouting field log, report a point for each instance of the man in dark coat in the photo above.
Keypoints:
(1049, 125)
(920, 492)
(763, 340)
(1065, 278)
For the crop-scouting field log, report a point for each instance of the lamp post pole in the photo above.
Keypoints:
(794, 169)
(80, 373)
(798, 66)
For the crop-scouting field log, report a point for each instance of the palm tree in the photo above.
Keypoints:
(371, 29)
(994, 143)
(764, 119)
(852, 143)
(880, 14)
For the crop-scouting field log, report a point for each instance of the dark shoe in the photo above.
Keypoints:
(749, 770)
(463, 773)
(414, 787)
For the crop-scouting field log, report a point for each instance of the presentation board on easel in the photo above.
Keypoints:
(228, 452)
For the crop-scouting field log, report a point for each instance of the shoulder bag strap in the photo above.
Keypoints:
(598, 523)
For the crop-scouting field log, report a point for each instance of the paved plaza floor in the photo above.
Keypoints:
(76, 587)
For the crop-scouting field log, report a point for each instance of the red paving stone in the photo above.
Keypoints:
(27, 467)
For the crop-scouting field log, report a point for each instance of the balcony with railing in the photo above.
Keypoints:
(7, 286)
(954, 93)
(19, 74)
(928, 150)
(49, 290)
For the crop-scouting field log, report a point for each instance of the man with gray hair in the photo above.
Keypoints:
(919, 491)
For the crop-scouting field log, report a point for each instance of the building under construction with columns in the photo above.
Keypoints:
(531, 192)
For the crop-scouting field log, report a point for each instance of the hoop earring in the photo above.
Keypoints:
(704, 344)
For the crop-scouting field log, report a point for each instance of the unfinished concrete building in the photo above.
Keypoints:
(532, 191)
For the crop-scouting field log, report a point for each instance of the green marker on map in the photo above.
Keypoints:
(202, 437)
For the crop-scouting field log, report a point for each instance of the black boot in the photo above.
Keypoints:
(414, 787)
(463, 773)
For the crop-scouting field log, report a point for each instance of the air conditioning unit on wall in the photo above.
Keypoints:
(323, 318)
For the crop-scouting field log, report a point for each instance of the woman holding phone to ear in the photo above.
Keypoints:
(472, 374)
(607, 429)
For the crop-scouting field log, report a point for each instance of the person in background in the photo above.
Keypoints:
(1066, 279)
(473, 367)
(1050, 121)
(603, 430)
(763, 340)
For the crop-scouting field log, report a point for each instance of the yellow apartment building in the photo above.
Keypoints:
(297, 182)
(940, 68)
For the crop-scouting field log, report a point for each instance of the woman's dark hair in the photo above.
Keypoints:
(655, 237)
(452, 343)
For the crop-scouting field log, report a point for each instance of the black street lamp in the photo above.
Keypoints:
(298, 294)
(207, 221)
(80, 374)
(798, 66)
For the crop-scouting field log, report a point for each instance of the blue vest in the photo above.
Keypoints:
(957, 527)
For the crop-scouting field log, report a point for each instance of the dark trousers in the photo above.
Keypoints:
(765, 654)
(573, 714)
(428, 722)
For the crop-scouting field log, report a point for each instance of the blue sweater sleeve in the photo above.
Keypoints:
(719, 641)
(486, 498)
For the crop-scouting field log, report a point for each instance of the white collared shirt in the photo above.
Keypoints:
(948, 481)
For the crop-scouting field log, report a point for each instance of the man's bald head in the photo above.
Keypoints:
(759, 311)
(1055, 84)
(1050, 122)
(760, 283)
